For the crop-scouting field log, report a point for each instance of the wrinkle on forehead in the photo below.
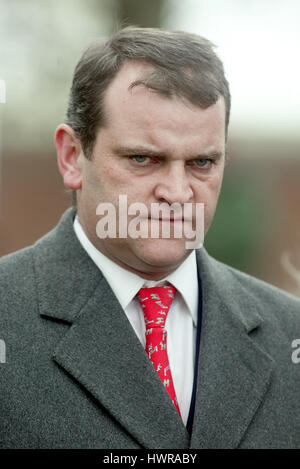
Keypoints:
(139, 114)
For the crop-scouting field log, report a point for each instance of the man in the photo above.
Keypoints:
(139, 342)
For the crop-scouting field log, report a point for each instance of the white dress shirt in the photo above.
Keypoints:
(181, 323)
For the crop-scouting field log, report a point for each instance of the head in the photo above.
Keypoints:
(147, 110)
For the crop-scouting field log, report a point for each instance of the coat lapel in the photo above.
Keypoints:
(233, 372)
(100, 349)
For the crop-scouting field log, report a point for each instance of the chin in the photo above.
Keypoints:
(161, 252)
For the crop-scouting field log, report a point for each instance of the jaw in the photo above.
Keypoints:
(157, 257)
(148, 258)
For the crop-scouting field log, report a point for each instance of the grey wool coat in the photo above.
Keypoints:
(76, 376)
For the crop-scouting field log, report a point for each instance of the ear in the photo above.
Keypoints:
(69, 156)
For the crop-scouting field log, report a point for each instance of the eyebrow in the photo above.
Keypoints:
(139, 150)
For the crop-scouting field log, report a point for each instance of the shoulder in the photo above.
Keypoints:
(234, 278)
(18, 294)
(55, 241)
(16, 268)
(273, 304)
(264, 292)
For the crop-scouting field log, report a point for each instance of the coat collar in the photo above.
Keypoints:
(233, 371)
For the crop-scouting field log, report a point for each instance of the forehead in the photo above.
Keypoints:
(142, 112)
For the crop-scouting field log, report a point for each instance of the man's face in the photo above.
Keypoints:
(153, 149)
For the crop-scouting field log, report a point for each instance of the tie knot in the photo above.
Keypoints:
(155, 303)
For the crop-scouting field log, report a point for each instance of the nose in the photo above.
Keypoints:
(174, 185)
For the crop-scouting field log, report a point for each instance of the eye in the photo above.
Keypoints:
(203, 163)
(140, 158)
(142, 161)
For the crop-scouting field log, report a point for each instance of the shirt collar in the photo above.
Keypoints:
(126, 284)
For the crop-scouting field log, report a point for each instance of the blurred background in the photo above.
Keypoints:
(257, 224)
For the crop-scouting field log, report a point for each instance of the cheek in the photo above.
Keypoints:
(106, 183)
(216, 186)
(216, 182)
(117, 180)
(209, 191)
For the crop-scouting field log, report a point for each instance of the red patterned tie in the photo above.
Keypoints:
(155, 303)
